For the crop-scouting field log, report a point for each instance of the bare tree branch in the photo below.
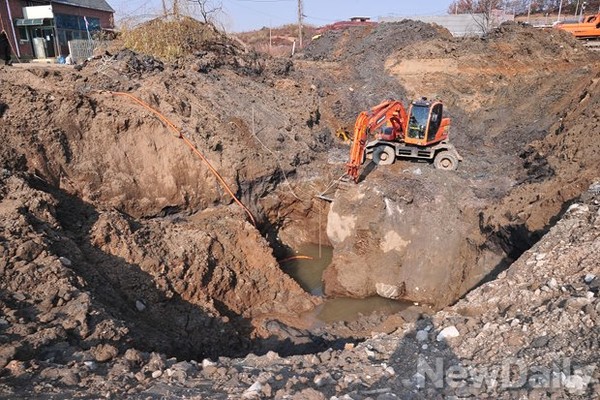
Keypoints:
(208, 9)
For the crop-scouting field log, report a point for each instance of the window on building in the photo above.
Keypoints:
(23, 35)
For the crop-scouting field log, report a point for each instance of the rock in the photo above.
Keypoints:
(379, 251)
(69, 378)
(208, 363)
(7, 353)
(388, 291)
(157, 374)
(29, 250)
(411, 314)
(422, 336)
(104, 352)
(447, 333)
(387, 396)
(576, 384)
(134, 357)
(65, 261)
(156, 362)
(91, 365)
(323, 379)
(576, 303)
(19, 296)
(309, 394)
(325, 356)
(589, 278)
(541, 341)
(209, 370)
(183, 366)
(253, 392)
(140, 305)
(552, 283)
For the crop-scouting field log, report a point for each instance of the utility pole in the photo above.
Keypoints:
(559, 10)
(164, 4)
(529, 11)
(300, 21)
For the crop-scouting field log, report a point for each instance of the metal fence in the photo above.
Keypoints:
(460, 24)
(81, 50)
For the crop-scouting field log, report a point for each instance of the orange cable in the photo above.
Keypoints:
(171, 125)
(295, 258)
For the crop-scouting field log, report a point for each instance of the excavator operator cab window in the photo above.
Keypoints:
(435, 121)
(417, 122)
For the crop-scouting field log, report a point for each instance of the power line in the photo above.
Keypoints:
(237, 4)
(320, 19)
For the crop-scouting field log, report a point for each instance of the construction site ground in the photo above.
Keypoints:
(128, 270)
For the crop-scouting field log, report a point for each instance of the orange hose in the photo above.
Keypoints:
(171, 125)
(295, 258)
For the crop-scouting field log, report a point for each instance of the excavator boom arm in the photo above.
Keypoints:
(367, 122)
(358, 146)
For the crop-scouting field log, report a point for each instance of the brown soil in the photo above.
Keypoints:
(117, 241)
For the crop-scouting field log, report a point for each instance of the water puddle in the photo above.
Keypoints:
(308, 275)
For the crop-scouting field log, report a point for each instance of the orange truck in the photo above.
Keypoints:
(589, 28)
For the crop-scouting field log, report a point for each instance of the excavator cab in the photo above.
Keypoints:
(426, 124)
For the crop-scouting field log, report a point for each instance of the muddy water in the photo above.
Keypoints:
(308, 274)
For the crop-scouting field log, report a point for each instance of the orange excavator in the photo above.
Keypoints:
(589, 28)
(388, 131)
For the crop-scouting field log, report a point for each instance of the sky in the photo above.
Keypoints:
(243, 15)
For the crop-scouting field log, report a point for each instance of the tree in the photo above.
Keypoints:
(481, 10)
(474, 6)
(208, 9)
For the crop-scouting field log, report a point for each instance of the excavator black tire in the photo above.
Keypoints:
(445, 160)
(384, 155)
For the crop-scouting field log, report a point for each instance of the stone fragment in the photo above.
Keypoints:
(422, 336)
(65, 261)
(540, 341)
(139, 305)
(157, 374)
(105, 352)
(447, 333)
(253, 392)
(552, 283)
(323, 380)
(208, 363)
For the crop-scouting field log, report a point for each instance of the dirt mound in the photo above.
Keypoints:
(371, 44)
(172, 38)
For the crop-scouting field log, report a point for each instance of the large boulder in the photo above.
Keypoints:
(406, 237)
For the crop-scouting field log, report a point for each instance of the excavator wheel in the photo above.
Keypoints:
(445, 160)
(384, 155)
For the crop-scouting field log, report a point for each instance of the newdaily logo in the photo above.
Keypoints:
(512, 373)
